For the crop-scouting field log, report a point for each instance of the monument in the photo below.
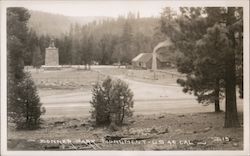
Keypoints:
(51, 55)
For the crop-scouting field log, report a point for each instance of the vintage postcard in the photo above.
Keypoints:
(123, 77)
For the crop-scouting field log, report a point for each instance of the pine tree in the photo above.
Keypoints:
(75, 49)
(27, 111)
(126, 42)
(101, 101)
(87, 50)
(43, 42)
(231, 21)
(32, 43)
(231, 118)
(23, 101)
(185, 31)
(121, 101)
(209, 63)
(16, 39)
(37, 58)
(107, 46)
(112, 102)
(207, 51)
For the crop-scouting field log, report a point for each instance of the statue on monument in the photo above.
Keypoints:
(52, 44)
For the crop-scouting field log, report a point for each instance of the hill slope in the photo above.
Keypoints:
(56, 24)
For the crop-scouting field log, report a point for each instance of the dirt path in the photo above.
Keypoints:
(149, 99)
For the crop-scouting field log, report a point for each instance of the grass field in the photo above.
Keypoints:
(162, 77)
(159, 77)
(74, 78)
(65, 79)
(71, 80)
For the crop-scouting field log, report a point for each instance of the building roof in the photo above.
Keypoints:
(142, 57)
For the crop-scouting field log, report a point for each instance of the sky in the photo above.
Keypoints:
(101, 8)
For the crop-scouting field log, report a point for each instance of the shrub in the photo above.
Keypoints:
(112, 101)
(100, 102)
(26, 110)
(121, 101)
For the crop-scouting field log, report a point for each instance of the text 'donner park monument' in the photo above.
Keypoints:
(51, 55)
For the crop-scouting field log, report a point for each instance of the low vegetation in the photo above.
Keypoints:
(112, 101)
(25, 110)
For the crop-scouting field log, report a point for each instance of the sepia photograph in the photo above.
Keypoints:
(158, 77)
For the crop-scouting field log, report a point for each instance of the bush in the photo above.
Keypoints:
(100, 102)
(112, 101)
(26, 110)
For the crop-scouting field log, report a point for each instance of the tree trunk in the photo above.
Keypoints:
(217, 96)
(27, 115)
(231, 116)
(123, 113)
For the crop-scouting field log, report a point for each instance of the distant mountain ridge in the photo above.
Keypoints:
(56, 24)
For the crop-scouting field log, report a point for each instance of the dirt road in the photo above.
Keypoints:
(149, 99)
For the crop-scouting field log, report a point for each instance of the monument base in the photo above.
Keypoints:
(45, 67)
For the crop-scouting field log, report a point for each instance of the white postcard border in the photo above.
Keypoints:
(212, 3)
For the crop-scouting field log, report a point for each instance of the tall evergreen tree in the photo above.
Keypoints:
(231, 118)
(16, 39)
(87, 49)
(75, 51)
(27, 110)
(207, 51)
(185, 31)
(107, 45)
(126, 42)
(32, 43)
(43, 42)
(37, 58)
(64, 47)
(23, 102)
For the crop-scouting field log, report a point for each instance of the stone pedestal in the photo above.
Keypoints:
(51, 56)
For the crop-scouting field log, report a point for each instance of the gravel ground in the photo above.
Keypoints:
(196, 131)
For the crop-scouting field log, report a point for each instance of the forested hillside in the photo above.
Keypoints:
(103, 40)
(56, 24)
